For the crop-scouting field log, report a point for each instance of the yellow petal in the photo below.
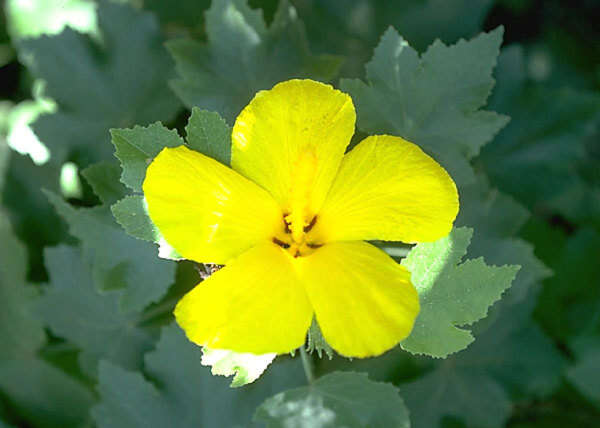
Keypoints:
(363, 300)
(388, 189)
(206, 211)
(291, 140)
(255, 304)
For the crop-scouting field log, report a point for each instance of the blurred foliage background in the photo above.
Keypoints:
(72, 69)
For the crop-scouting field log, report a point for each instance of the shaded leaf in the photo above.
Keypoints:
(21, 334)
(541, 158)
(184, 394)
(433, 100)
(243, 56)
(340, 399)
(118, 261)
(512, 358)
(44, 395)
(75, 310)
(104, 179)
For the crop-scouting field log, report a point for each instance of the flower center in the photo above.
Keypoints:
(297, 245)
(299, 216)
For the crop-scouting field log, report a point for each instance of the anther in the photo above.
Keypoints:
(313, 245)
(311, 224)
(281, 243)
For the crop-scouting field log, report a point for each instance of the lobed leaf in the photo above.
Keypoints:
(21, 334)
(243, 56)
(433, 100)
(118, 84)
(74, 309)
(118, 261)
(137, 147)
(451, 294)
(184, 392)
(209, 134)
(477, 385)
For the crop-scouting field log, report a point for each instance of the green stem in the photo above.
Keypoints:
(306, 363)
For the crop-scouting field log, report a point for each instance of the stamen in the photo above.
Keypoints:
(286, 224)
(313, 245)
(308, 227)
(282, 244)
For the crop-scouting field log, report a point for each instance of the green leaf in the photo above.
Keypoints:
(316, 341)
(185, 391)
(119, 83)
(118, 261)
(43, 395)
(466, 393)
(75, 310)
(243, 56)
(245, 367)
(496, 218)
(209, 134)
(353, 27)
(542, 156)
(336, 400)
(570, 301)
(5, 425)
(131, 213)
(434, 100)
(511, 358)
(21, 334)
(137, 147)
(451, 294)
(39, 392)
(104, 179)
(188, 13)
(584, 373)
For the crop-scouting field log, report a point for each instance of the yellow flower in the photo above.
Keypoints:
(289, 221)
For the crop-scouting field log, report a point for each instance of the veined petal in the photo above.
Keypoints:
(291, 140)
(363, 300)
(388, 189)
(206, 211)
(255, 304)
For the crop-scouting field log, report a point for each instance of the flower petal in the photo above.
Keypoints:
(255, 304)
(363, 300)
(206, 211)
(291, 140)
(388, 189)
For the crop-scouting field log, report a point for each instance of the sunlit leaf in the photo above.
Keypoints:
(96, 87)
(452, 293)
(244, 367)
